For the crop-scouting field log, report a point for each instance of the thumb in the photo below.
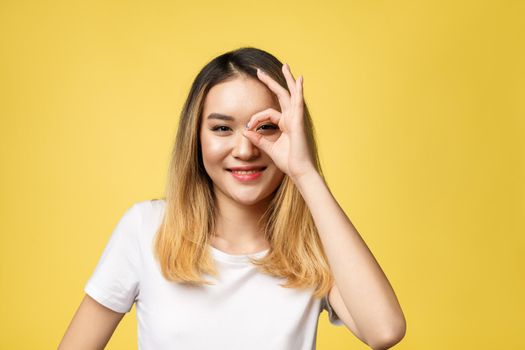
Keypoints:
(258, 140)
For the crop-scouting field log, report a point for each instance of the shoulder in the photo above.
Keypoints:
(148, 207)
(149, 213)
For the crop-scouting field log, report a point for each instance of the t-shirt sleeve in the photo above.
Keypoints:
(115, 280)
(332, 316)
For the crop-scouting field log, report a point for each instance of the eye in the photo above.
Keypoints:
(218, 128)
(269, 127)
(222, 128)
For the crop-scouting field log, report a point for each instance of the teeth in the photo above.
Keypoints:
(245, 172)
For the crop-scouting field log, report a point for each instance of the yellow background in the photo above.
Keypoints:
(419, 111)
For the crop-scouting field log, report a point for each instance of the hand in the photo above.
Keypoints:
(290, 151)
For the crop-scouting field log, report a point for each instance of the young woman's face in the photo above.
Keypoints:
(224, 146)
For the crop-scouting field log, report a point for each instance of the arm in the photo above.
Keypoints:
(368, 297)
(92, 326)
(370, 305)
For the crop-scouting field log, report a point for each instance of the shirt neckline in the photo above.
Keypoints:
(243, 258)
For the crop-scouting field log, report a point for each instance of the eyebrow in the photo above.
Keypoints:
(220, 116)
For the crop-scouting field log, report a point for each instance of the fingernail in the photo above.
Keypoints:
(260, 71)
(247, 125)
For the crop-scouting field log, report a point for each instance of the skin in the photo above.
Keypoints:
(224, 145)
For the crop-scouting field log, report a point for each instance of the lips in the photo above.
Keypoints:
(246, 175)
(247, 168)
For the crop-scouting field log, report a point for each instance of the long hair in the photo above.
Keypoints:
(181, 244)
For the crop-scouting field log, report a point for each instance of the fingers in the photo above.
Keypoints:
(269, 113)
(259, 141)
(295, 101)
(282, 94)
(289, 78)
(298, 101)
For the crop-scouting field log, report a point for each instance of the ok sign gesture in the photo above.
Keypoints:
(290, 151)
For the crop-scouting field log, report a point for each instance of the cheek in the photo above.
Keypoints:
(279, 177)
(212, 151)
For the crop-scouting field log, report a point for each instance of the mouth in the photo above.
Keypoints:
(247, 175)
(244, 172)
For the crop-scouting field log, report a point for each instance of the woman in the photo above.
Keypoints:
(248, 245)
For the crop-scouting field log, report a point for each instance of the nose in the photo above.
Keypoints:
(244, 148)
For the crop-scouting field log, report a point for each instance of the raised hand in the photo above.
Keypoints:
(290, 151)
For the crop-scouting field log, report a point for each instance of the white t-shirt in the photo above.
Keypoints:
(245, 309)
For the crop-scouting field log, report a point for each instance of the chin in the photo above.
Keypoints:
(248, 201)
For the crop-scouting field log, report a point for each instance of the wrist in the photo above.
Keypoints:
(305, 177)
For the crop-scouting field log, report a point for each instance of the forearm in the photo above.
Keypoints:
(366, 292)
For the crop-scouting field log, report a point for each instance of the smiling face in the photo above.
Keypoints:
(224, 146)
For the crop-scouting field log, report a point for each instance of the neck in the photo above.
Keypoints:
(237, 225)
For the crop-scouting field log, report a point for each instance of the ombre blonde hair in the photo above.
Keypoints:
(181, 243)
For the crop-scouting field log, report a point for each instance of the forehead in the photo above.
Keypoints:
(239, 97)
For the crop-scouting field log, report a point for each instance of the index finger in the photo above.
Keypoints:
(282, 94)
